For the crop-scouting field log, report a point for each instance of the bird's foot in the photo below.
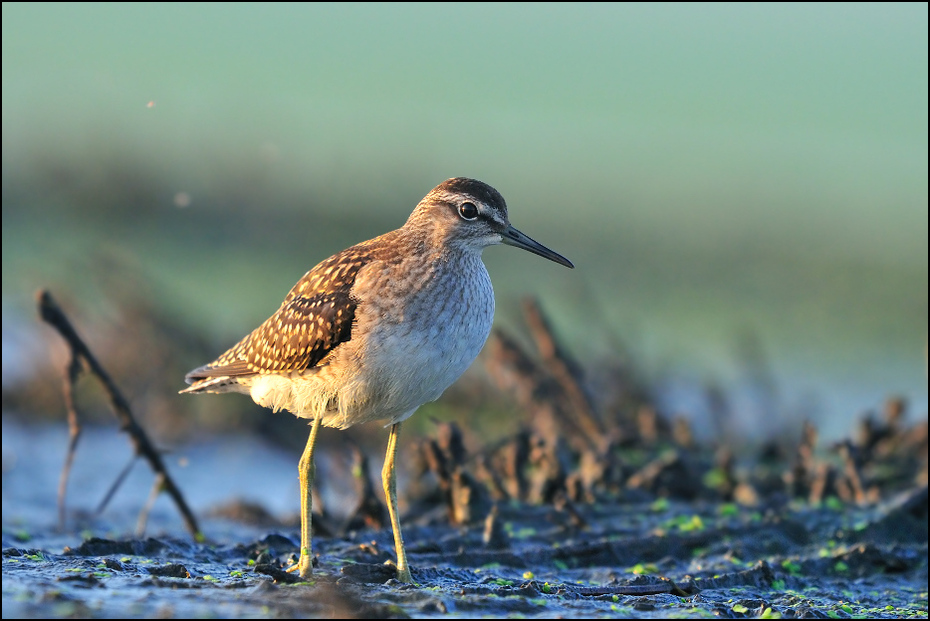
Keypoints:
(403, 574)
(304, 566)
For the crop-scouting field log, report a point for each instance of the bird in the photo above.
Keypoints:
(377, 330)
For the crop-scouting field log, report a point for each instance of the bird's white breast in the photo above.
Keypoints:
(416, 333)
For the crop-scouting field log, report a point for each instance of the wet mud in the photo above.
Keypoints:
(694, 558)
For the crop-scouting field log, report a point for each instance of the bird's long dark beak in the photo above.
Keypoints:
(513, 237)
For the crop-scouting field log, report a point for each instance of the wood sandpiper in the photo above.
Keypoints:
(377, 330)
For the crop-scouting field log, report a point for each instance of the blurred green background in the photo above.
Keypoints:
(741, 187)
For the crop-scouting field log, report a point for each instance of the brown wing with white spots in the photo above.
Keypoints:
(315, 317)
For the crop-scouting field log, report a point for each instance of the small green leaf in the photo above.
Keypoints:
(728, 509)
(639, 569)
(715, 478)
(694, 523)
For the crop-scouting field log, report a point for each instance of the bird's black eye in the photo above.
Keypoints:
(468, 211)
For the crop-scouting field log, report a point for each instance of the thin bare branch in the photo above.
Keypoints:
(52, 314)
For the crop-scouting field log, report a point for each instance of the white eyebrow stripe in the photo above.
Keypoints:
(490, 213)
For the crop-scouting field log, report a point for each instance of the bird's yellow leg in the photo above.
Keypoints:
(307, 470)
(389, 479)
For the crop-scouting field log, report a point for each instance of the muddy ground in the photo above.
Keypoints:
(695, 558)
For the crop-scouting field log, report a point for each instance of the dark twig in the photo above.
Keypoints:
(665, 586)
(157, 487)
(52, 314)
(72, 370)
(116, 485)
(535, 390)
(565, 370)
